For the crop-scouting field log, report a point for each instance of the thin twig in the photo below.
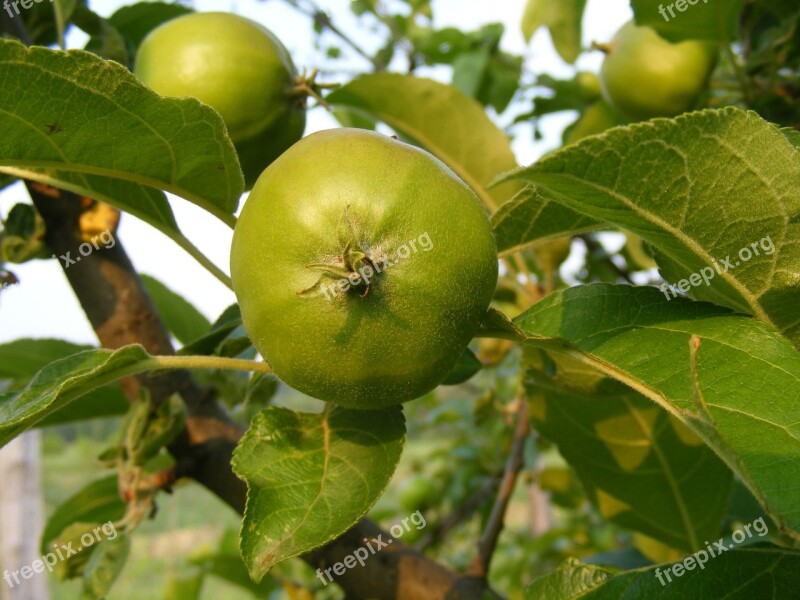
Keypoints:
(739, 71)
(533, 292)
(322, 19)
(512, 278)
(593, 246)
(486, 547)
(461, 514)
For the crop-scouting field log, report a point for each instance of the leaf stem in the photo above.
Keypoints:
(201, 258)
(61, 25)
(204, 362)
(161, 362)
(740, 74)
(461, 514)
(595, 247)
(530, 286)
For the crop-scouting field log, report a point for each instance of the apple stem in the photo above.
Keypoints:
(306, 86)
(604, 48)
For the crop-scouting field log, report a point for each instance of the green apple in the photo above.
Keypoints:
(645, 76)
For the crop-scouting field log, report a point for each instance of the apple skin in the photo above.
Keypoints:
(345, 195)
(645, 76)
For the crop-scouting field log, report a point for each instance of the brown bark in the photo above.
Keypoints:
(111, 294)
(113, 298)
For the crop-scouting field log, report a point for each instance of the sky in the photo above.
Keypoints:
(43, 305)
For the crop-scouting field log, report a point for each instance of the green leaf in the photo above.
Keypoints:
(104, 566)
(715, 20)
(72, 564)
(134, 22)
(502, 82)
(72, 549)
(74, 112)
(563, 94)
(182, 319)
(105, 40)
(63, 381)
(466, 367)
(106, 401)
(792, 135)
(184, 584)
(347, 118)
(226, 563)
(562, 18)
(570, 581)
(743, 507)
(6, 180)
(229, 322)
(441, 119)
(440, 46)
(638, 464)
(688, 187)
(495, 324)
(40, 22)
(22, 237)
(310, 477)
(469, 70)
(738, 392)
(738, 574)
(594, 119)
(162, 426)
(98, 502)
(528, 218)
(22, 359)
(359, 7)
